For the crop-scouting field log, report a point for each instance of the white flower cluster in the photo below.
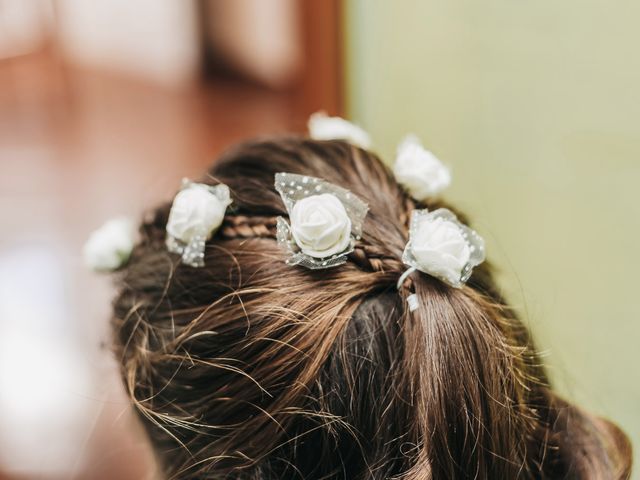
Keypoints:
(439, 244)
(196, 213)
(325, 221)
(417, 169)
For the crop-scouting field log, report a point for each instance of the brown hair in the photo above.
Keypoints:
(249, 368)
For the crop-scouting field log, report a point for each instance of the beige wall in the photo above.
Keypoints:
(536, 105)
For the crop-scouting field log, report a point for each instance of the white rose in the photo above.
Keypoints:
(323, 127)
(320, 225)
(196, 211)
(109, 247)
(440, 248)
(419, 171)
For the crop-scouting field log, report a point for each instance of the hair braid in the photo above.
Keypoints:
(243, 226)
(367, 257)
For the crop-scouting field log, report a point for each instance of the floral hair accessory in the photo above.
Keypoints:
(109, 247)
(323, 127)
(442, 247)
(196, 213)
(419, 171)
(325, 221)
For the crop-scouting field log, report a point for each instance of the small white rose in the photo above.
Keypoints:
(110, 246)
(440, 248)
(419, 171)
(325, 221)
(323, 127)
(320, 225)
(197, 212)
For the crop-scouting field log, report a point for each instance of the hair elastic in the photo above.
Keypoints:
(404, 276)
(412, 300)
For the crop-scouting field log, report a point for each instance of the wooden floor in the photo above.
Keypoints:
(77, 147)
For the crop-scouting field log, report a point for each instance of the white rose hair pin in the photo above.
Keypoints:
(440, 246)
(323, 127)
(196, 214)
(419, 171)
(325, 221)
(108, 248)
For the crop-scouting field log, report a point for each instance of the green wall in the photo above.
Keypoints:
(536, 106)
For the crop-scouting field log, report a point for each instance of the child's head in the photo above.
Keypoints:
(251, 368)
